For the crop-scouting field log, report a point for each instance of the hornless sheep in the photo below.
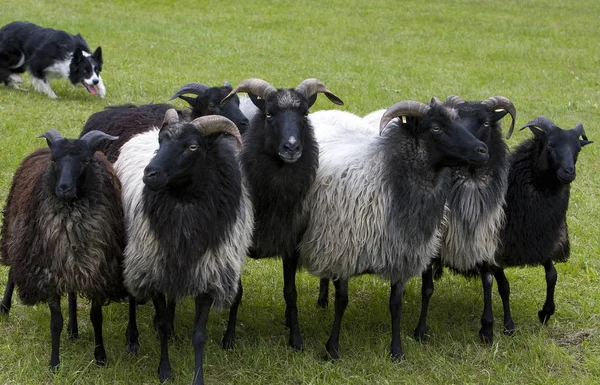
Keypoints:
(377, 202)
(539, 182)
(128, 120)
(189, 220)
(279, 160)
(63, 231)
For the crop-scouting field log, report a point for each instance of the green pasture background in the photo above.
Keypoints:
(543, 55)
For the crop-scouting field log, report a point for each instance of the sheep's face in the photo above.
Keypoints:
(480, 120)
(285, 116)
(209, 103)
(70, 160)
(181, 146)
(451, 141)
(560, 149)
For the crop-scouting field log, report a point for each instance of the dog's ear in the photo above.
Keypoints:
(78, 56)
(97, 56)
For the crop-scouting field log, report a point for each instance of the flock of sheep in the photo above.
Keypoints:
(156, 203)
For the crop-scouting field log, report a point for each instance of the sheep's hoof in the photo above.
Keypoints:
(228, 342)
(323, 303)
(397, 356)
(164, 371)
(4, 310)
(72, 335)
(132, 347)
(544, 316)
(54, 366)
(487, 337)
(295, 341)
(333, 350)
(420, 334)
(509, 328)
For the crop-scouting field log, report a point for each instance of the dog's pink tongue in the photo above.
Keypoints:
(92, 89)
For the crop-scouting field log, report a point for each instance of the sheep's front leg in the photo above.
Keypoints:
(203, 304)
(72, 328)
(396, 292)
(504, 291)
(549, 307)
(8, 293)
(341, 302)
(229, 336)
(160, 307)
(96, 318)
(290, 265)
(56, 326)
(486, 333)
(323, 300)
(132, 343)
(426, 292)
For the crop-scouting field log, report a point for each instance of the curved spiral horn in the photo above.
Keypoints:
(500, 102)
(212, 124)
(405, 108)
(453, 100)
(94, 137)
(254, 86)
(171, 117)
(312, 86)
(52, 136)
(191, 88)
(542, 122)
(578, 129)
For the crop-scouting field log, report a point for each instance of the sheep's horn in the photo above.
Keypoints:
(94, 137)
(171, 116)
(212, 124)
(191, 88)
(500, 102)
(52, 136)
(227, 84)
(580, 131)
(405, 108)
(453, 100)
(253, 86)
(312, 86)
(542, 122)
(435, 101)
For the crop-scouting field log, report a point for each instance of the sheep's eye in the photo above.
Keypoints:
(86, 161)
(193, 147)
(269, 116)
(486, 124)
(212, 105)
(436, 128)
(550, 146)
(306, 113)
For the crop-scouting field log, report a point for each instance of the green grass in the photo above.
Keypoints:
(543, 55)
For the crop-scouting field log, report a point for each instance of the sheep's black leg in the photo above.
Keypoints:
(132, 343)
(160, 307)
(171, 307)
(323, 300)
(229, 337)
(290, 265)
(551, 277)
(96, 318)
(56, 326)
(72, 329)
(504, 291)
(486, 333)
(8, 292)
(341, 302)
(426, 293)
(396, 292)
(203, 304)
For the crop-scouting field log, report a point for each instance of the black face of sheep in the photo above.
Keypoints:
(208, 102)
(284, 112)
(442, 129)
(70, 160)
(182, 145)
(560, 148)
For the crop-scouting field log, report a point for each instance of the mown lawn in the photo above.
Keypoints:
(543, 55)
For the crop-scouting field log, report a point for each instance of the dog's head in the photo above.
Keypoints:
(85, 70)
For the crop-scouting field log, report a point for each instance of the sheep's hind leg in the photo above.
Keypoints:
(56, 326)
(341, 302)
(229, 336)
(72, 328)
(96, 318)
(160, 307)
(396, 292)
(8, 293)
(203, 304)
(132, 343)
(290, 265)
(420, 332)
(504, 291)
(323, 300)
(486, 333)
(549, 307)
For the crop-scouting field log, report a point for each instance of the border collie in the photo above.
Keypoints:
(48, 54)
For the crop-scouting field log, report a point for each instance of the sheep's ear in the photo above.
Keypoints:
(499, 114)
(95, 137)
(52, 136)
(537, 132)
(312, 100)
(258, 102)
(585, 142)
(193, 102)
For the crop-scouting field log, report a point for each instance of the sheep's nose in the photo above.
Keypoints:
(569, 170)
(64, 188)
(150, 174)
(96, 81)
(291, 147)
(482, 150)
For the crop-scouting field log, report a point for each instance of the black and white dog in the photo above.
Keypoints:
(48, 54)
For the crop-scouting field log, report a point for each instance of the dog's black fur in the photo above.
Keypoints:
(48, 53)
